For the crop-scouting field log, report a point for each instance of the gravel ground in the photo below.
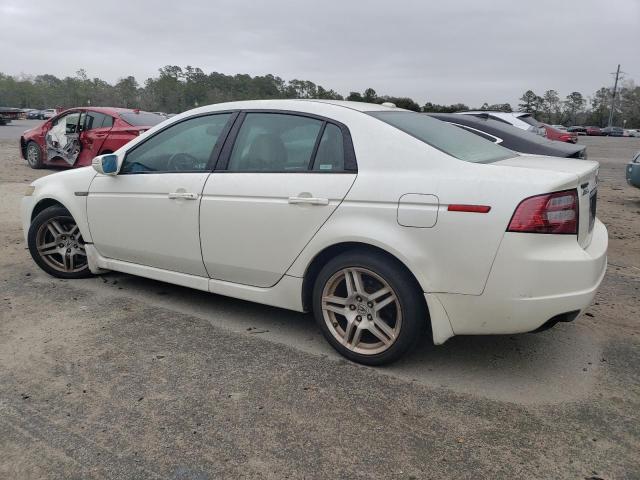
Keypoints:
(122, 377)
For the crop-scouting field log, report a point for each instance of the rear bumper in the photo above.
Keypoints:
(533, 279)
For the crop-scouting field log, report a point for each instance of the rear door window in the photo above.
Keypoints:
(94, 120)
(274, 142)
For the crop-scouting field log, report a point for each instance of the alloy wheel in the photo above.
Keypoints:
(60, 245)
(361, 310)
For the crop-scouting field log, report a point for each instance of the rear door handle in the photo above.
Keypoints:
(309, 200)
(183, 195)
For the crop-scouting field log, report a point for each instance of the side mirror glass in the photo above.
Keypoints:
(106, 164)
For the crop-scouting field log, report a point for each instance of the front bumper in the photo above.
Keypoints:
(26, 208)
(533, 279)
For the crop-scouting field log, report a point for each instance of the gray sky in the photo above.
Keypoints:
(451, 51)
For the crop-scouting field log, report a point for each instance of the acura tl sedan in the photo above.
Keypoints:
(383, 222)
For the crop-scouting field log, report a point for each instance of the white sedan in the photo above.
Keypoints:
(383, 222)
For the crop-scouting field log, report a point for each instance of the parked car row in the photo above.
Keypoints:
(41, 114)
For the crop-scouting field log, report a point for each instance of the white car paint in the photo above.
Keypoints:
(242, 236)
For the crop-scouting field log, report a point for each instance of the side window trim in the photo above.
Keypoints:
(312, 160)
(215, 153)
(350, 163)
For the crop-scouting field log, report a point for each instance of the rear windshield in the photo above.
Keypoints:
(451, 140)
(142, 119)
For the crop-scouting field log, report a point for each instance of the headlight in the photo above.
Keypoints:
(29, 191)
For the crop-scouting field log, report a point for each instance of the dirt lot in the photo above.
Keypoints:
(122, 377)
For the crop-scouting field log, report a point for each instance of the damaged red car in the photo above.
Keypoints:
(74, 137)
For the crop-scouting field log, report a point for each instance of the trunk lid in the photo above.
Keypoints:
(585, 173)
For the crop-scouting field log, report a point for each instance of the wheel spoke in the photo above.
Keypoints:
(334, 299)
(353, 280)
(379, 293)
(374, 328)
(335, 309)
(68, 261)
(348, 331)
(48, 251)
(73, 230)
(47, 246)
(356, 337)
(57, 227)
(52, 229)
(380, 324)
(380, 305)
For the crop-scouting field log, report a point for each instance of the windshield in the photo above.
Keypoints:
(449, 139)
(142, 119)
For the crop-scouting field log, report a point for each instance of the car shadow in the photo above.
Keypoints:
(557, 365)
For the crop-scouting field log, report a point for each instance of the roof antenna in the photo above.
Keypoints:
(389, 104)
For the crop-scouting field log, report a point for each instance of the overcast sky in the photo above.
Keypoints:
(468, 51)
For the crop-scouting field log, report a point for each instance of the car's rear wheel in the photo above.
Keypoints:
(56, 244)
(369, 307)
(34, 155)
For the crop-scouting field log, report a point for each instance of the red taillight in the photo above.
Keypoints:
(566, 138)
(549, 213)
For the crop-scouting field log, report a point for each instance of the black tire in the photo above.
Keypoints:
(55, 263)
(33, 155)
(409, 295)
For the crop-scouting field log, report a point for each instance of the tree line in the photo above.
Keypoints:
(575, 109)
(176, 89)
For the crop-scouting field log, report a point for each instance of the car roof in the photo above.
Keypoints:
(296, 104)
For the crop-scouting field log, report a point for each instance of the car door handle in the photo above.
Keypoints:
(309, 200)
(183, 195)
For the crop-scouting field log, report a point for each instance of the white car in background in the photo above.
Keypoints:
(522, 120)
(382, 221)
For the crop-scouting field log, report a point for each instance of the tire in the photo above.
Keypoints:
(56, 244)
(33, 155)
(349, 316)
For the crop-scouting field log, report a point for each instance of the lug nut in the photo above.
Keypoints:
(61, 245)
(63, 237)
(352, 307)
(369, 317)
(370, 304)
(75, 246)
(68, 250)
(358, 318)
(359, 299)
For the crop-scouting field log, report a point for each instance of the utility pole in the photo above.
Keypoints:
(613, 96)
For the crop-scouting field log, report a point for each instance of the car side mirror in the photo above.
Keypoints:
(106, 164)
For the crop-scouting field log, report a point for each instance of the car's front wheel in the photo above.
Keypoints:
(34, 155)
(368, 307)
(56, 244)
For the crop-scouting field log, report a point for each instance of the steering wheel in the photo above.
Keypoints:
(182, 161)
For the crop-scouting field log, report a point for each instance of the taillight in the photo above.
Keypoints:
(549, 213)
